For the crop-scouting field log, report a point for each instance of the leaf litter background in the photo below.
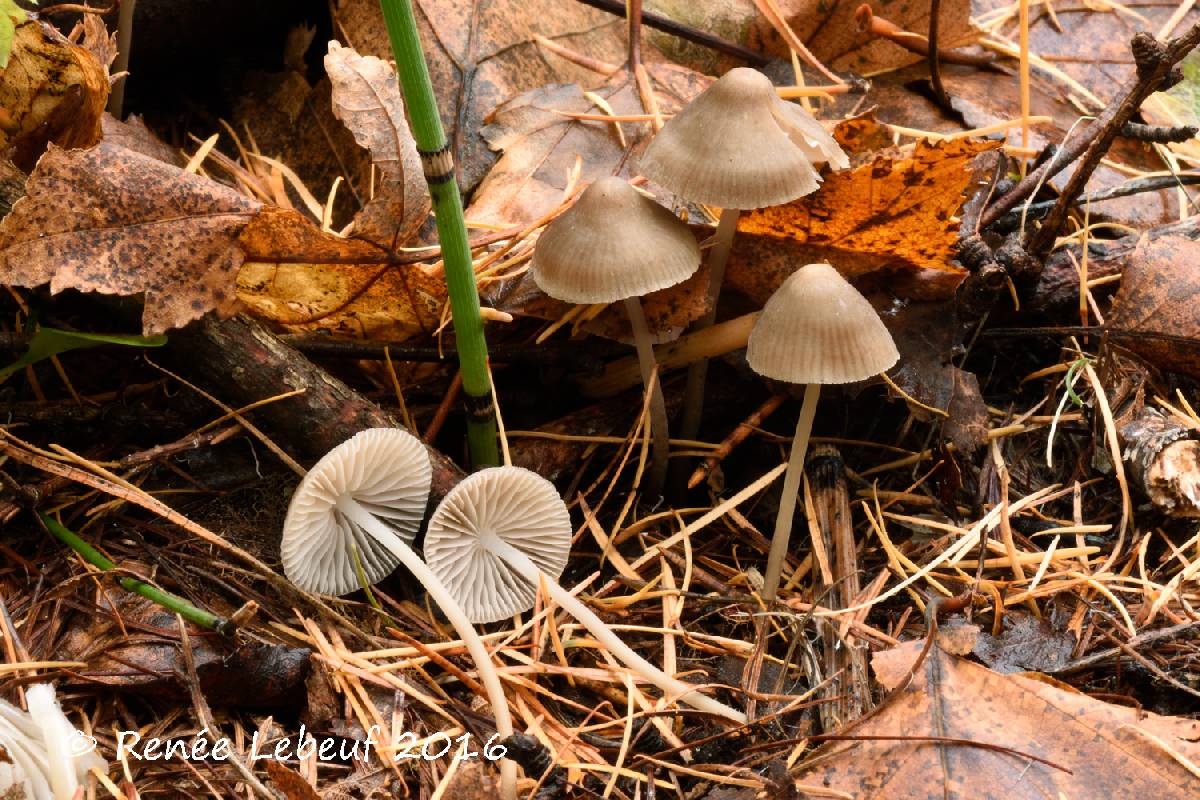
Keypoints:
(1067, 587)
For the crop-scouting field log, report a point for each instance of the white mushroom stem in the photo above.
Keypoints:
(488, 676)
(660, 438)
(672, 687)
(791, 490)
(718, 256)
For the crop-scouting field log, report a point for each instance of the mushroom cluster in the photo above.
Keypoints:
(737, 146)
(42, 755)
(353, 519)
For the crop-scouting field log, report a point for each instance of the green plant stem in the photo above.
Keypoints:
(165, 599)
(437, 161)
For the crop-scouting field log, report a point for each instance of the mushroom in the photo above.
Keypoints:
(503, 531)
(617, 244)
(47, 758)
(737, 146)
(360, 507)
(815, 329)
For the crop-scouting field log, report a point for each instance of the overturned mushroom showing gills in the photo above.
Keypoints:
(503, 531)
(815, 329)
(736, 146)
(617, 244)
(360, 507)
(41, 752)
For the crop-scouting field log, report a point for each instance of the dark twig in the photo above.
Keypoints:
(667, 25)
(935, 65)
(1158, 134)
(1011, 220)
(1155, 64)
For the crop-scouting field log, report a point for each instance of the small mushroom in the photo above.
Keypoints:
(815, 329)
(47, 758)
(617, 244)
(503, 531)
(361, 507)
(737, 146)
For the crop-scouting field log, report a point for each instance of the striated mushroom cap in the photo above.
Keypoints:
(515, 505)
(737, 145)
(387, 471)
(614, 243)
(817, 328)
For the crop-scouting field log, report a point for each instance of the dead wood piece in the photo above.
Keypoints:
(1165, 461)
(244, 362)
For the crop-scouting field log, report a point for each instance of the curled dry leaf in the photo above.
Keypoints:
(1109, 750)
(92, 35)
(113, 221)
(1155, 309)
(366, 98)
(482, 54)
(300, 277)
(51, 91)
(132, 134)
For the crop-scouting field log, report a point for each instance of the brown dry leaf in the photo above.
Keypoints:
(827, 29)
(366, 98)
(1111, 751)
(1159, 295)
(92, 35)
(891, 213)
(1027, 643)
(484, 52)
(290, 782)
(113, 221)
(300, 277)
(132, 134)
(540, 146)
(51, 91)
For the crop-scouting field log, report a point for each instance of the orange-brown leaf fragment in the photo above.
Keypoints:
(51, 91)
(113, 221)
(896, 213)
(1108, 750)
(366, 98)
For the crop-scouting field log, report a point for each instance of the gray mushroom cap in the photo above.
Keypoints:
(738, 145)
(386, 471)
(519, 507)
(614, 243)
(817, 328)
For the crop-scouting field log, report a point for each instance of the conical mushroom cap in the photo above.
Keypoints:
(817, 328)
(737, 145)
(519, 507)
(614, 243)
(387, 471)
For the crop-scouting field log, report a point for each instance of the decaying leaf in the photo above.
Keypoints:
(1157, 302)
(132, 134)
(297, 276)
(51, 91)
(828, 29)
(113, 221)
(540, 145)
(1026, 643)
(288, 781)
(92, 35)
(481, 54)
(366, 98)
(889, 213)
(1099, 749)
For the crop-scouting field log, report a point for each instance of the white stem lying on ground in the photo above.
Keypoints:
(672, 687)
(660, 437)
(488, 675)
(791, 490)
(718, 256)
